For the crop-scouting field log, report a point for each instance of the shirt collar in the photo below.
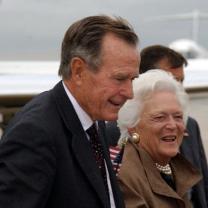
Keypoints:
(84, 118)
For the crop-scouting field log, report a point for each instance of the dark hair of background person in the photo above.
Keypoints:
(153, 54)
(84, 40)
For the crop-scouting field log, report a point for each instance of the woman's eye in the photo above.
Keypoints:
(179, 117)
(159, 118)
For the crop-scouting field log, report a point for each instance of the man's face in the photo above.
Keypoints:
(101, 94)
(178, 72)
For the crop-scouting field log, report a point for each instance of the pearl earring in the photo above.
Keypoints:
(135, 137)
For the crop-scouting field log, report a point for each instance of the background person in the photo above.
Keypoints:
(153, 173)
(47, 156)
(161, 57)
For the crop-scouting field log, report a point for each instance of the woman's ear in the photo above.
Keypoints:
(134, 135)
(131, 130)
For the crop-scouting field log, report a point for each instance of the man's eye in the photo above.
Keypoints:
(120, 78)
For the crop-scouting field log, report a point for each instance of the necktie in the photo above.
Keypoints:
(98, 152)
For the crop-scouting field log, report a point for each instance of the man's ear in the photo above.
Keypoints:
(78, 68)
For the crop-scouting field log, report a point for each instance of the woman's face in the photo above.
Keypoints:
(161, 127)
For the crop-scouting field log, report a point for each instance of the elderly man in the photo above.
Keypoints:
(53, 153)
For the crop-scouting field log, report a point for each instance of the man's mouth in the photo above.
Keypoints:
(116, 104)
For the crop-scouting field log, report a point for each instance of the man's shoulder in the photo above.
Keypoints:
(192, 124)
(192, 120)
(112, 132)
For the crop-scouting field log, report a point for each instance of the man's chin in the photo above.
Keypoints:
(112, 117)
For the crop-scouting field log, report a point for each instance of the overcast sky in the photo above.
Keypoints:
(33, 29)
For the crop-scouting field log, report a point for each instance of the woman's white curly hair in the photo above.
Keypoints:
(152, 81)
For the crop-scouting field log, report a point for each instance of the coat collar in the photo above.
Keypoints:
(184, 173)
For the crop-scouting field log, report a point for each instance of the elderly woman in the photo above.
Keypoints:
(152, 124)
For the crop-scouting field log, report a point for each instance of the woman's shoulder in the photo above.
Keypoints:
(132, 164)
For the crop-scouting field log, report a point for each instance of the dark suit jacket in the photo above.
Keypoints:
(46, 160)
(191, 148)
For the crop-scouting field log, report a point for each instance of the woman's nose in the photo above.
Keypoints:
(171, 123)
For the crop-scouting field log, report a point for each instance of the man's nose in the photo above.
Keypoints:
(127, 90)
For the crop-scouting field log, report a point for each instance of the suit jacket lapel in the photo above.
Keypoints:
(80, 144)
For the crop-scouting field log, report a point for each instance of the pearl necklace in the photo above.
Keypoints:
(164, 169)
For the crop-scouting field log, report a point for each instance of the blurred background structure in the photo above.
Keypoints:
(32, 30)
